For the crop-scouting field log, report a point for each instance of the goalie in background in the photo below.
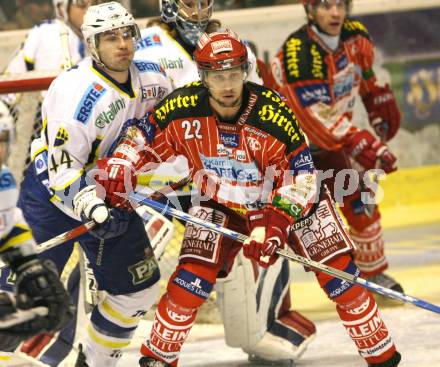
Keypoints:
(37, 282)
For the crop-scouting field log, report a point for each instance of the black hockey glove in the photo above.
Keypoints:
(38, 284)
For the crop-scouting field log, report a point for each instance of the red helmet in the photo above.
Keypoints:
(220, 51)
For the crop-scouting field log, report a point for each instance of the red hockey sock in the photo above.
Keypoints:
(366, 328)
(171, 326)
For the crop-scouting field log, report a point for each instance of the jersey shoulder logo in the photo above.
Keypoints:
(88, 101)
(61, 138)
(352, 28)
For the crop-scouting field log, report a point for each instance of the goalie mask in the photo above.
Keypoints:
(106, 17)
(189, 17)
(6, 132)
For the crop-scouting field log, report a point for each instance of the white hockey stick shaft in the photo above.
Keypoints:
(83, 228)
(20, 316)
(141, 200)
(64, 37)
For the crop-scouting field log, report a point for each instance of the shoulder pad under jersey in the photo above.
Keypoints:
(303, 58)
(188, 101)
(352, 28)
(274, 117)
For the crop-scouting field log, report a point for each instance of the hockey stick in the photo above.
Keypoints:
(141, 200)
(83, 228)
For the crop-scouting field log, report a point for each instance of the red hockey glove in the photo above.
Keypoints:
(370, 152)
(383, 112)
(268, 233)
(118, 178)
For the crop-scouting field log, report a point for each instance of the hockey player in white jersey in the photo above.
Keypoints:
(37, 287)
(43, 47)
(84, 111)
(274, 333)
(50, 46)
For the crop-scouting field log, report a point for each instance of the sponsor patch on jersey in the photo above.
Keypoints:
(302, 162)
(171, 63)
(343, 85)
(144, 66)
(88, 101)
(153, 91)
(7, 181)
(106, 117)
(143, 270)
(40, 162)
(61, 138)
(240, 155)
(229, 140)
(292, 49)
(149, 41)
(231, 169)
(253, 143)
(192, 283)
(314, 93)
(341, 62)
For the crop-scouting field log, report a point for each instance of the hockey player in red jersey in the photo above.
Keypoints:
(247, 155)
(264, 326)
(321, 69)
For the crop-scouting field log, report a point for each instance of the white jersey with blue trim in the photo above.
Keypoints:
(83, 114)
(159, 46)
(42, 49)
(13, 228)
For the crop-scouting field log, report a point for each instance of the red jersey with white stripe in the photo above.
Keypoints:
(321, 85)
(260, 158)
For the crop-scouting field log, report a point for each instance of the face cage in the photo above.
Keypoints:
(203, 72)
(174, 11)
(93, 42)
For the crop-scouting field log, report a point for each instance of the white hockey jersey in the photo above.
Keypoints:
(83, 114)
(13, 228)
(42, 49)
(157, 45)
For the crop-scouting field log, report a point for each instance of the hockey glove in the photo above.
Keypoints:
(383, 112)
(88, 206)
(118, 179)
(268, 233)
(38, 284)
(370, 153)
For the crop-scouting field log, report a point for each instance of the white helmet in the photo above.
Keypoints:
(6, 125)
(64, 6)
(106, 17)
